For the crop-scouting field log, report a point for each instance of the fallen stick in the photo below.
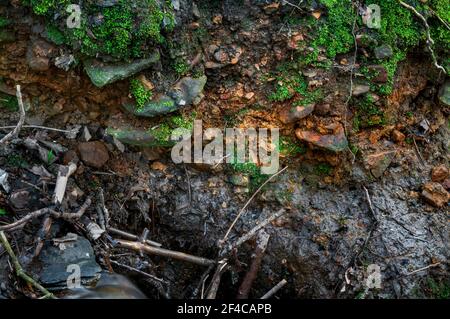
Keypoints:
(275, 289)
(129, 236)
(61, 182)
(224, 239)
(138, 271)
(247, 282)
(430, 41)
(423, 268)
(19, 270)
(68, 216)
(138, 247)
(201, 283)
(41, 128)
(252, 232)
(19, 125)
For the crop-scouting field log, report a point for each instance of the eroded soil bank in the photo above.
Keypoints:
(364, 134)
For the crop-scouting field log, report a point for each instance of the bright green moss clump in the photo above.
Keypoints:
(140, 93)
(4, 22)
(334, 33)
(126, 30)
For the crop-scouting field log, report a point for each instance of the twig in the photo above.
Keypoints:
(223, 241)
(45, 128)
(293, 5)
(19, 125)
(138, 271)
(19, 270)
(68, 216)
(352, 68)
(440, 19)
(366, 241)
(275, 289)
(61, 182)
(252, 232)
(430, 41)
(423, 268)
(247, 282)
(369, 201)
(201, 283)
(215, 281)
(188, 181)
(105, 210)
(136, 246)
(422, 161)
(129, 236)
(25, 219)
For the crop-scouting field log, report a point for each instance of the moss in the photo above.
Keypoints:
(253, 171)
(8, 102)
(367, 114)
(332, 34)
(55, 35)
(16, 161)
(323, 169)
(140, 93)
(181, 67)
(163, 132)
(291, 147)
(46, 7)
(126, 30)
(4, 22)
(291, 83)
(3, 212)
(438, 290)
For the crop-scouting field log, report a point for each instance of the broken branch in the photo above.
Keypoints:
(137, 246)
(247, 282)
(275, 289)
(19, 270)
(223, 241)
(19, 125)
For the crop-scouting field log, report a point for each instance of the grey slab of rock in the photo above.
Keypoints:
(360, 89)
(54, 262)
(132, 137)
(185, 92)
(383, 52)
(102, 74)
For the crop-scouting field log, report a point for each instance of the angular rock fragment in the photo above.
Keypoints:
(378, 163)
(94, 154)
(444, 93)
(336, 142)
(435, 194)
(295, 113)
(185, 92)
(56, 260)
(132, 137)
(102, 74)
(439, 173)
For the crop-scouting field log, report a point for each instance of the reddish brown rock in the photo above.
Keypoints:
(70, 157)
(295, 113)
(439, 173)
(398, 136)
(336, 142)
(380, 73)
(435, 194)
(94, 154)
(446, 184)
(38, 55)
(322, 109)
(378, 163)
